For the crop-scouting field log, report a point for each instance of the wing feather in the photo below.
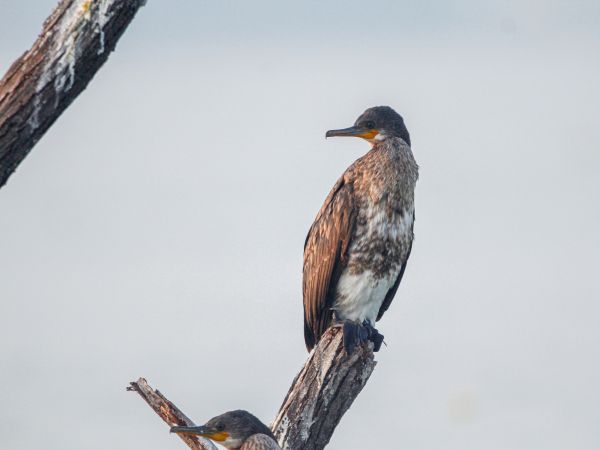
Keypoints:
(325, 255)
(392, 292)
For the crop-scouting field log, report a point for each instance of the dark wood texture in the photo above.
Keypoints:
(74, 43)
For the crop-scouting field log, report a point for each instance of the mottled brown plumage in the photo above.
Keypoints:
(260, 442)
(356, 250)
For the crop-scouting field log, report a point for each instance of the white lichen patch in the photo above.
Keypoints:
(33, 121)
(66, 48)
(282, 428)
(66, 43)
(102, 18)
(307, 420)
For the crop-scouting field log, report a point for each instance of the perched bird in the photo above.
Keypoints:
(356, 250)
(235, 430)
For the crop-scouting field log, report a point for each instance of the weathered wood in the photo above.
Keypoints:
(170, 414)
(322, 392)
(74, 43)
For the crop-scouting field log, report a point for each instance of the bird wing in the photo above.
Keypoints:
(260, 442)
(325, 253)
(392, 292)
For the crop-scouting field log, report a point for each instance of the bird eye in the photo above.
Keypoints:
(220, 427)
(370, 124)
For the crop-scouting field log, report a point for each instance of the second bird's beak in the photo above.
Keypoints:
(203, 431)
(365, 133)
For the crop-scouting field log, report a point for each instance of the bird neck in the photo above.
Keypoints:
(390, 144)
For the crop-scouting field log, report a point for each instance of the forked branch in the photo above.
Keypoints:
(319, 396)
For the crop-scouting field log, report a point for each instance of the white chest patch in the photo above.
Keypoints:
(359, 293)
(359, 297)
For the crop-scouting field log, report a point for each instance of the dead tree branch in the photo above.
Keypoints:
(169, 413)
(74, 43)
(320, 394)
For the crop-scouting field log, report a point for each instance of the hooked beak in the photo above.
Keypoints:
(365, 133)
(203, 431)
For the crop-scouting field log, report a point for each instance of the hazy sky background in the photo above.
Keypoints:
(157, 229)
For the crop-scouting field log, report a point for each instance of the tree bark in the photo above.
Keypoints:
(169, 413)
(319, 396)
(322, 392)
(74, 43)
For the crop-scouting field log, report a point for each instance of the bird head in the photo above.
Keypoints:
(376, 125)
(230, 429)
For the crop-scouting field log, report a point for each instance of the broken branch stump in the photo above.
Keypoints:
(168, 412)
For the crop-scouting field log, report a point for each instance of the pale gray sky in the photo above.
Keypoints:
(157, 229)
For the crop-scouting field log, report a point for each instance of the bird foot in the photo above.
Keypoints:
(356, 334)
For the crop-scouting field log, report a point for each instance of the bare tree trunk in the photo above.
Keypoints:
(322, 392)
(74, 43)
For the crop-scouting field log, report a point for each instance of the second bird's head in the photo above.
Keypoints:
(230, 429)
(376, 125)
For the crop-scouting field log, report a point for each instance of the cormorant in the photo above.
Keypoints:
(235, 430)
(356, 250)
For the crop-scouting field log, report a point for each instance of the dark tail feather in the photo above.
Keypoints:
(309, 337)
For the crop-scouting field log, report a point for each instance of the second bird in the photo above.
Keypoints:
(234, 430)
(357, 248)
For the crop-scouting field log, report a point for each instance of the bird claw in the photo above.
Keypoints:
(374, 336)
